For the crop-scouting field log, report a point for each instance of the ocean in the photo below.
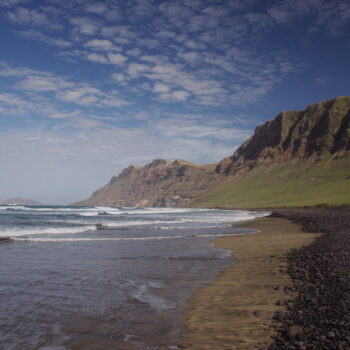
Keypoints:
(100, 278)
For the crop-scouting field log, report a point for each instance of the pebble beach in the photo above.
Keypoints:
(289, 287)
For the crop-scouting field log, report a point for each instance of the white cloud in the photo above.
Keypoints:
(52, 167)
(113, 15)
(144, 8)
(134, 69)
(114, 101)
(97, 58)
(164, 34)
(322, 15)
(33, 34)
(192, 44)
(191, 57)
(176, 13)
(134, 52)
(99, 44)
(180, 95)
(87, 95)
(120, 77)
(111, 58)
(23, 15)
(64, 115)
(12, 100)
(176, 96)
(98, 8)
(159, 87)
(149, 43)
(43, 83)
(10, 3)
(116, 58)
(120, 34)
(217, 11)
(84, 25)
(82, 96)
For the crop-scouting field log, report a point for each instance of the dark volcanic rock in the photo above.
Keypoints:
(294, 331)
(321, 275)
(5, 240)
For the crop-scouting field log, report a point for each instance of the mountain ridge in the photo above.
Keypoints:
(321, 129)
(159, 183)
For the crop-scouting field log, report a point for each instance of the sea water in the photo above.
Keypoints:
(105, 278)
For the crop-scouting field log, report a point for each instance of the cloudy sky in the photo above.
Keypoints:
(90, 87)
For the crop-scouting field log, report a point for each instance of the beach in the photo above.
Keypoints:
(281, 289)
(103, 277)
(236, 311)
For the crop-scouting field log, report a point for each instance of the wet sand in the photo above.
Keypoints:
(236, 310)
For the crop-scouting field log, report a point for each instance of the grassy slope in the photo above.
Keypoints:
(288, 184)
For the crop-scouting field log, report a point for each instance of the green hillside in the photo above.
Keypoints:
(297, 182)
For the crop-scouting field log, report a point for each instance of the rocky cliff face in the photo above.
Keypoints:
(160, 183)
(321, 128)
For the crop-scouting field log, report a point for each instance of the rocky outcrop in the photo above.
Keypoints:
(321, 128)
(161, 183)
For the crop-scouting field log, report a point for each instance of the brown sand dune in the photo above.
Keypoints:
(221, 315)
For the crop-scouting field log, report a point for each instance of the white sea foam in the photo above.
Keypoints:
(12, 207)
(142, 293)
(163, 219)
(186, 227)
(92, 239)
(138, 223)
(89, 213)
(15, 232)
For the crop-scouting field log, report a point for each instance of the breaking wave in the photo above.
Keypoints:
(88, 239)
(14, 232)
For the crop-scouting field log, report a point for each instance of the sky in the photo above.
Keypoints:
(88, 88)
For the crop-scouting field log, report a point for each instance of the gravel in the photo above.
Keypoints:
(319, 317)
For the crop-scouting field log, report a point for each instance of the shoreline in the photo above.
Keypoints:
(236, 310)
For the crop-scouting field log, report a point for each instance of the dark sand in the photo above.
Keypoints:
(221, 315)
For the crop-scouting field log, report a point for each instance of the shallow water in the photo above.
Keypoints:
(104, 278)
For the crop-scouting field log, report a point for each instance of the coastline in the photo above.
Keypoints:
(236, 310)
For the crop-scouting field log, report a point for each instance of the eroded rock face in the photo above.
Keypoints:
(321, 128)
(160, 183)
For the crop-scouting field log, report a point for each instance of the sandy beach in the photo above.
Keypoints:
(236, 310)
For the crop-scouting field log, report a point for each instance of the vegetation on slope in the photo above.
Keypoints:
(296, 182)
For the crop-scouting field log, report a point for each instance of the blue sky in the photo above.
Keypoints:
(90, 87)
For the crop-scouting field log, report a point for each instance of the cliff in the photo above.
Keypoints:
(322, 128)
(296, 149)
(161, 183)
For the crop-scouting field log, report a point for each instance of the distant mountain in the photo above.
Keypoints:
(297, 158)
(19, 201)
(161, 183)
